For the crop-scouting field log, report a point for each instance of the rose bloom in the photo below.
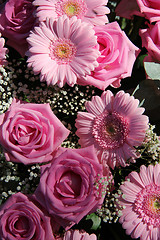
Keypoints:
(141, 201)
(78, 235)
(21, 219)
(62, 50)
(151, 41)
(3, 52)
(71, 186)
(90, 11)
(150, 9)
(127, 9)
(114, 124)
(16, 20)
(30, 133)
(118, 55)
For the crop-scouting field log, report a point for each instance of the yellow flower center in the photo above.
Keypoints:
(156, 204)
(71, 8)
(62, 50)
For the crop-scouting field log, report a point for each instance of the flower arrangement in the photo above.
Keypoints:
(79, 122)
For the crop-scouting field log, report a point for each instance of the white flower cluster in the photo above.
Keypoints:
(151, 146)
(5, 90)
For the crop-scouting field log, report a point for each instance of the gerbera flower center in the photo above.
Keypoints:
(157, 204)
(110, 130)
(71, 8)
(147, 205)
(62, 50)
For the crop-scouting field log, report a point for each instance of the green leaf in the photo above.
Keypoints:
(152, 69)
(123, 24)
(142, 102)
(135, 90)
(96, 221)
(140, 60)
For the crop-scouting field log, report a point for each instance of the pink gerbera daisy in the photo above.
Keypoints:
(78, 235)
(3, 52)
(62, 50)
(141, 203)
(114, 125)
(92, 11)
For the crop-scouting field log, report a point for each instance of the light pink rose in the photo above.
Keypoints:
(30, 133)
(16, 20)
(70, 187)
(151, 41)
(21, 219)
(78, 235)
(150, 9)
(128, 8)
(118, 55)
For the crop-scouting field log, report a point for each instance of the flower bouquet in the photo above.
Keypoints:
(79, 119)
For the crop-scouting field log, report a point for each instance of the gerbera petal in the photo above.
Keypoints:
(66, 28)
(150, 173)
(48, 33)
(157, 174)
(61, 72)
(107, 98)
(129, 227)
(155, 234)
(143, 175)
(131, 187)
(95, 106)
(131, 216)
(70, 76)
(85, 115)
(134, 177)
(77, 68)
(86, 142)
(139, 230)
(145, 233)
(3, 52)
(60, 29)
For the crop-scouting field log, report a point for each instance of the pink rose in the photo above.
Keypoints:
(30, 133)
(16, 21)
(78, 235)
(151, 41)
(127, 9)
(70, 187)
(150, 9)
(118, 55)
(21, 219)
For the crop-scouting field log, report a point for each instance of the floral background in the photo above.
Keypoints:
(79, 119)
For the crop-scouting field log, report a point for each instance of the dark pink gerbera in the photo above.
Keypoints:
(114, 125)
(141, 203)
